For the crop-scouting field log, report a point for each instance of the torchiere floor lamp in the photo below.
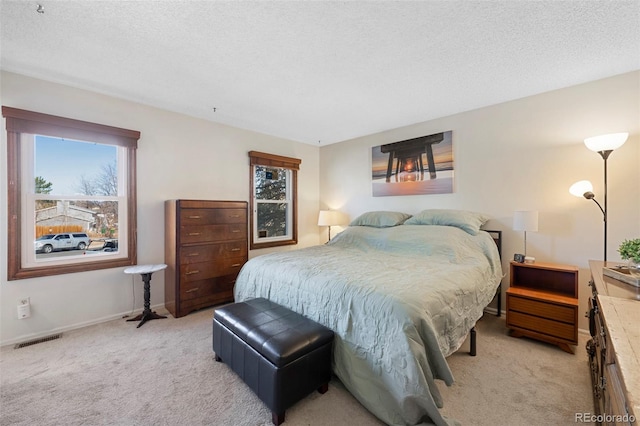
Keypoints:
(603, 145)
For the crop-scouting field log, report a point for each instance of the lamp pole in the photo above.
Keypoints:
(605, 154)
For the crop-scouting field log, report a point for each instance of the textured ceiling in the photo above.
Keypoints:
(320, 72)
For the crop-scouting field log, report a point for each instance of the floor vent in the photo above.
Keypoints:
(36, 341)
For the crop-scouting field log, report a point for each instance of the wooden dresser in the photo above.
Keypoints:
(205, 247)
(542, 303)
(614, 349)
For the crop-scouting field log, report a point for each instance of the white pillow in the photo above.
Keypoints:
(380, 219)
(467, 220)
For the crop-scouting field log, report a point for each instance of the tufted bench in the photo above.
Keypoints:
(281, 355)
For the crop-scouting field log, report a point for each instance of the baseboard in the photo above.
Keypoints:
(28, 337)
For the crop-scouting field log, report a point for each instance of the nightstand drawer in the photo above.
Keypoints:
(542, 309)
(544, 326)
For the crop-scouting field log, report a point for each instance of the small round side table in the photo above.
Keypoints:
(145, 271)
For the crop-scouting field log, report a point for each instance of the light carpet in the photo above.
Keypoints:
(164, 373)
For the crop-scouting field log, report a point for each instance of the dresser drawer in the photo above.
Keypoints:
(187, 306)
(210, 251)
(544, 326)
(542, 309)
(199, 234)
(202, 288)
(215, 268)
(199, 217)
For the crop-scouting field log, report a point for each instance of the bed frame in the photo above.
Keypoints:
(497, 238)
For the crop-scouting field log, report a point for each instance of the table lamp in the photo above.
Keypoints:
(526, 220)
(330, 218)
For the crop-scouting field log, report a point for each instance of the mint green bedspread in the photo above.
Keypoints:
(399, 299)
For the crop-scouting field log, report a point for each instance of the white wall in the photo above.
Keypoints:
(521, 155)
(178, 157)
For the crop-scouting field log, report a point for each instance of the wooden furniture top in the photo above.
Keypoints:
(544, 265)
(206, 204)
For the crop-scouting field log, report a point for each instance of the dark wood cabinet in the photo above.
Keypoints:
(205, 247)
(542, 303)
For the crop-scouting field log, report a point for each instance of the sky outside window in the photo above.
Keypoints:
(64, 162)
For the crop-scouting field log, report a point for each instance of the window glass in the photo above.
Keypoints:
(272, 220)
(270, 183)
(76, 189)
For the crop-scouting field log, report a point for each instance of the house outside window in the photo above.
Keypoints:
(68, 180)
(273, 200)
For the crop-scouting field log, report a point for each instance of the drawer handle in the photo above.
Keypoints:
(234, 215)
(193, 254)
(236, 230)
(192, 272)
(235, 249)
(236, 264)
(194, 233)
(192, 290)
(194, 217)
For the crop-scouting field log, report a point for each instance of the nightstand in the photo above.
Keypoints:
(542, 303)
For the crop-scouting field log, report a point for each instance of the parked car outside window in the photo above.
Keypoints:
(64, 241)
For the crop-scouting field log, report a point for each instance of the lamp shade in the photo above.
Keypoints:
(330, 218)
(580, 188)
(525, 220)
(606, 142)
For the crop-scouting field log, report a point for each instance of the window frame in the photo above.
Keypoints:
(22, 121)
(271, 160)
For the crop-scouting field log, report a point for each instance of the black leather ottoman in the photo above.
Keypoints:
(280, 354)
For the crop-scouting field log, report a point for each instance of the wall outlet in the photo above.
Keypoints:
(24, 308)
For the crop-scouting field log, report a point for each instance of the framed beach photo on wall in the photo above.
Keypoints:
(417, 166)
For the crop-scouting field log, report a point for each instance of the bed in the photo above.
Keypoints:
(400, 293)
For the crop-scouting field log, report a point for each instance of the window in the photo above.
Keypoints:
(71, 195)
(273, 200)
